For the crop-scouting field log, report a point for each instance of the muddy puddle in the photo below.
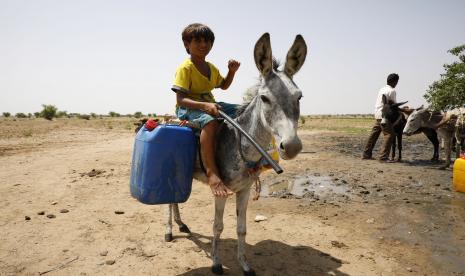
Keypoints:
(308, 186)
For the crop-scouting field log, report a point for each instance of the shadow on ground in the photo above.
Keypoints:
(269, 257)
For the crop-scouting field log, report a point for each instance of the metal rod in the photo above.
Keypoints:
(265, 154)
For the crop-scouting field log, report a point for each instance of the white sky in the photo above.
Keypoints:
(100, 56)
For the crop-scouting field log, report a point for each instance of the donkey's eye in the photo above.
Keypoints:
(265, 99)
(300, 97)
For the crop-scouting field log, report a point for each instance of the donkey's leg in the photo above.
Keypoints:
(399, 146)
(177, 218)
(393, 148)
(169, 223)
(448, 149)
(218, 226)
(433, 137)
(242, 199)
(458, 150)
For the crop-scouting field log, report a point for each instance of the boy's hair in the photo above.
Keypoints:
(197, 31)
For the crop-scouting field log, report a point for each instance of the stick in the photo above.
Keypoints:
(265, 154)
(59, 267)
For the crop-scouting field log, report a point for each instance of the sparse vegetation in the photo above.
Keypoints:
(6, 114)
(344, 123)
(20, 115)
(113, 114)
(62, 113)
(27, 133)
(48, 112)
(138, 114)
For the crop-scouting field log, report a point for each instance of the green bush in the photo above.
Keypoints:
(449, 91)
(84, 116)
(61, 114)
(113, 114)
(6, 114)
(20, 115)
(138, 114)
(48, 112)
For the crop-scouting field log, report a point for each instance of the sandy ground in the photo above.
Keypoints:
(329, 213)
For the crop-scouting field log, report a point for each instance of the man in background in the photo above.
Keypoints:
(388, 132)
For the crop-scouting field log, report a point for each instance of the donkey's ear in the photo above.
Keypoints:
(421, 107)
(384, 99)
(263, 56)
(296, 56)
(401, 103)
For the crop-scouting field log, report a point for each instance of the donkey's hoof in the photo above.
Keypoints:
(251, 272)
(217, 269)
(183, 228)
(168, 237)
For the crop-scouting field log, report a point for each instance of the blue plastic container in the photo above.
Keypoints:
(162, 164)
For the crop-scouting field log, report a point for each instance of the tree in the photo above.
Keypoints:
(6, 114)
(48, 111)
(449, 92)
(112, 114)
(20, 115)
(138, 114)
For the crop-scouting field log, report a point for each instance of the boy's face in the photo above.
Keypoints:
(199, 47)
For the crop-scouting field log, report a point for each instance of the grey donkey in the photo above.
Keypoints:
(424, 118)
(271, 108)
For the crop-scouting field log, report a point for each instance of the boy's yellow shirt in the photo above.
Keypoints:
(196, 86)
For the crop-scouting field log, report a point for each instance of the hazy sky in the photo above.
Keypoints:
(100, 56)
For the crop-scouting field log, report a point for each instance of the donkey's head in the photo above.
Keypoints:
(278, 95)
(390, 111)
(416, 120)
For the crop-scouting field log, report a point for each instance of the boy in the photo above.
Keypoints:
(195, 78)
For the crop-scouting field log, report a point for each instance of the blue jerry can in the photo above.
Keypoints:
(162, 164)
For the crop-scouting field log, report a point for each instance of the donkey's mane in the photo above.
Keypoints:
(252, 92)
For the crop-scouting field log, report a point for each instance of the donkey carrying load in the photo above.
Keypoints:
(272, 110)
(453, 128)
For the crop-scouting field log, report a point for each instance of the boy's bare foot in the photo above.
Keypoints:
(218, 188)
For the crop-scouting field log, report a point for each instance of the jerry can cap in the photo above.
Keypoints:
(151, 125)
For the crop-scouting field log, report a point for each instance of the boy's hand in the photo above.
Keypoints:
(233, 65)
(211, 108)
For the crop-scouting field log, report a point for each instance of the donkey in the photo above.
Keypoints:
(398, 118)
(392, 114)
(272, 108)
(424, 118)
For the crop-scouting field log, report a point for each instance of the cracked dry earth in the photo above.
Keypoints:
(329, 213)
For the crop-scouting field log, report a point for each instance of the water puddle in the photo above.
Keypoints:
(310, 186)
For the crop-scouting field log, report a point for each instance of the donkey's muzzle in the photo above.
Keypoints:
(289, 149)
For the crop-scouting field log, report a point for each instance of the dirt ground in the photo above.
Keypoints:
(329, 213)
